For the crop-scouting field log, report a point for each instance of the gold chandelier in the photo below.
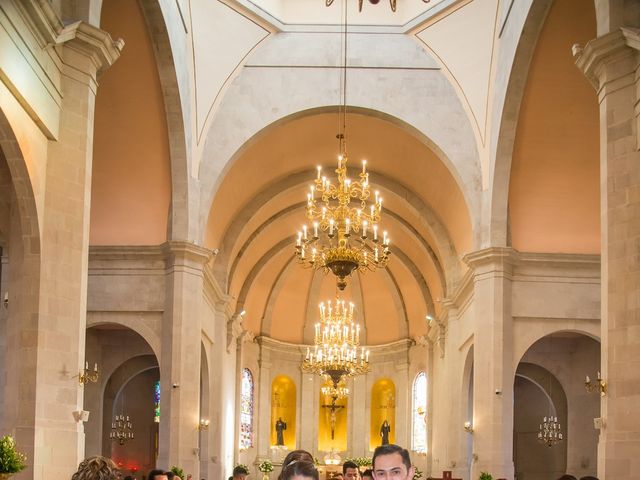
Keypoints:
(335, 353)
(342, 235)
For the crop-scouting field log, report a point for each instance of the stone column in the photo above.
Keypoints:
(223, 380)
(612, 63)
(51, 342)
(358, 441)
(264, 415)
(493, 373)
(309, 427)
(180, 356)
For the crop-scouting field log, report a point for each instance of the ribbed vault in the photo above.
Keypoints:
(260, 205)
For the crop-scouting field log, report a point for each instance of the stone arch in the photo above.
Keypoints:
(443, 254)
(21, 246)
(134, 323)
(613, 14)
(181, 224)
(526, 339)
(501, 168)
(226, 141)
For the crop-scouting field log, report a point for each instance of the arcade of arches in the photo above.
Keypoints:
(154, 162)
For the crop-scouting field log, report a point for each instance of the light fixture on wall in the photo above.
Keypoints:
(599, 385)
(121, 429)
(342, 235)
(204, 424)
(335, 353)
(85, 375)
(468, 427)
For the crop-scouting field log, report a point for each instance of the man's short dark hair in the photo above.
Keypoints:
(348, 464)
(567, 477)
(240, 470)
(390, 449)
(153, 473)
(588, 477)
(367, 473)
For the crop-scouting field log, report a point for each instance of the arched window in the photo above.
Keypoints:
(246, 410)
(419, 414)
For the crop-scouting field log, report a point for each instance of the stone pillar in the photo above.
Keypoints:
(264, 415)
(223, 380)
(612, 63)
(493, 373)
(309, 427)
(358, 441)
(51, 342)
(180, 356)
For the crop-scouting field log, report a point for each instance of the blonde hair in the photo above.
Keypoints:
(97, 468)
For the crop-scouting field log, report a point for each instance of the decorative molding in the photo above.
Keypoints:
(42, 17)
(595, 55)
(92, 42)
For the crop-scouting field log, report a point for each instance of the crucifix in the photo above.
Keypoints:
(332, 419)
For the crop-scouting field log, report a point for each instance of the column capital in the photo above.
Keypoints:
(604, 50)
(91, 42)
(494, 258)
(186, 253)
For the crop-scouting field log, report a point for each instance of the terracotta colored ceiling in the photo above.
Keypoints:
(554, 196)
(278, 295)
(131, 185)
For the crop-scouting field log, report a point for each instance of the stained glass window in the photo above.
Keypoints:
(156, 402)
(246, 410)
(419, 414)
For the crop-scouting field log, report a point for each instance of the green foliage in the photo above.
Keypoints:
(485, 476)
(266, 466)
(417, 474)
(178, 472)
(360, 461)
(11, 461)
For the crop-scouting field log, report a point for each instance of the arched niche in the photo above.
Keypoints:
(555, 366)
(283, 406)
(537, 394)
(339, 441)
(383, 407)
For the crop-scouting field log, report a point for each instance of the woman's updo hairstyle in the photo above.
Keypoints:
(302, 468)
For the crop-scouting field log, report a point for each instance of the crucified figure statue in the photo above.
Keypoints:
(332, 418)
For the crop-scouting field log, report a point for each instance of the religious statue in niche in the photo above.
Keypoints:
(385, 429)
(281, 426)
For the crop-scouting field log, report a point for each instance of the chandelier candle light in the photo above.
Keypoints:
(550, 433)
(335, 354)
(343, 236)
(121, 429)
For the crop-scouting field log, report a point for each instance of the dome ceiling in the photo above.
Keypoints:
(260, 205)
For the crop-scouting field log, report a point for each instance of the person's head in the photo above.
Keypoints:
(392, 462)
(96, 468)
(300, 470)
(367, 474)
(240, 473)
(567, 477)
(170, 475)
(350, 470)
(296, 456)
(588, 477)
(157, 475)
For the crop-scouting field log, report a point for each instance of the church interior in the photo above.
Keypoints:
(190, 190)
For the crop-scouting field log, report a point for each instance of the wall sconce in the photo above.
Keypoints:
(204, 424)
(468, 427)
(85, 376)
(81, 415)
(598, 386)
